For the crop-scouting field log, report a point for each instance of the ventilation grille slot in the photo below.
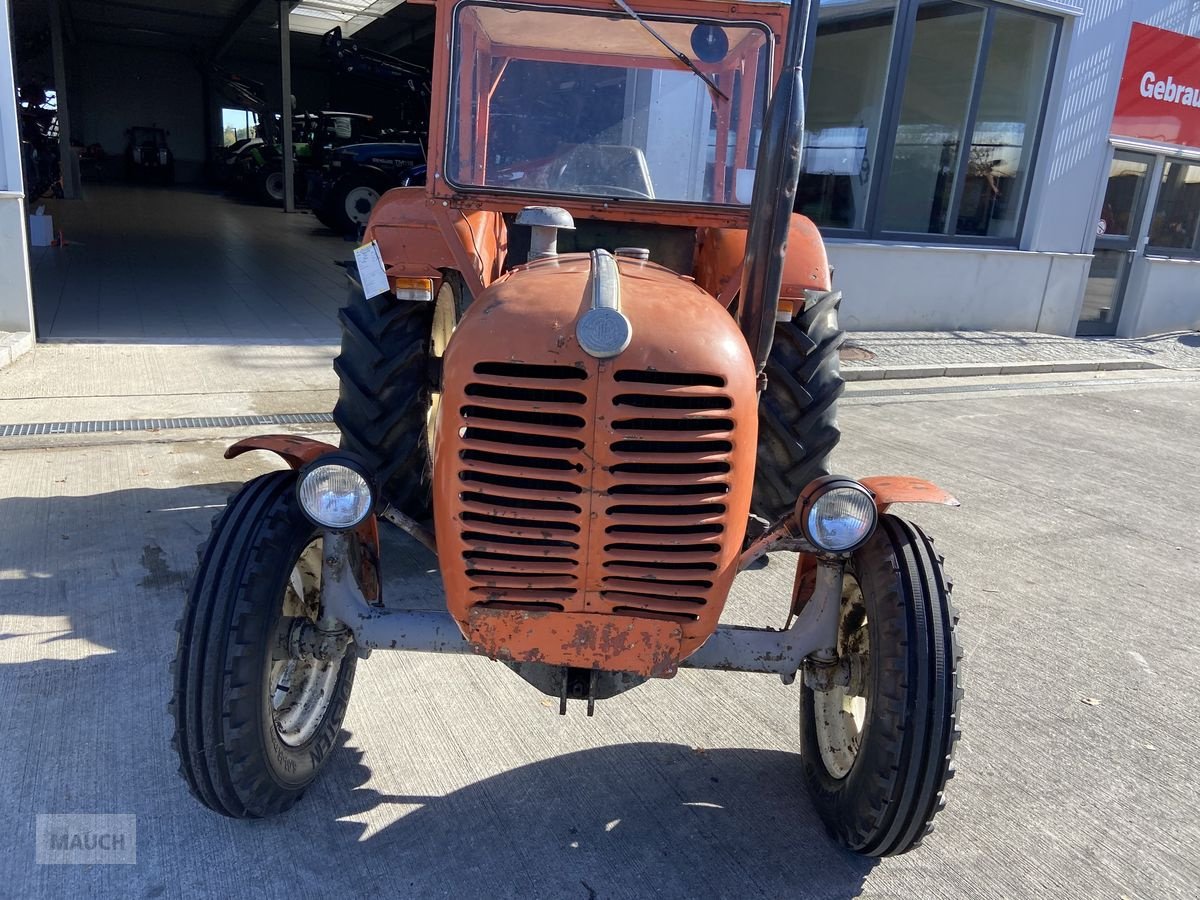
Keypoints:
(665, 508)
(521, 476)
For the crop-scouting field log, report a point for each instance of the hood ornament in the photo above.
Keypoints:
(604, 331)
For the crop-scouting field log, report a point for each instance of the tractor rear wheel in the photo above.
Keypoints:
(877, 748)
(269, 185)
(797, 424)
(352, 198)
(254, 720)
(387, 399)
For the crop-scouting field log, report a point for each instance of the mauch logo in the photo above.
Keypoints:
(66, 840)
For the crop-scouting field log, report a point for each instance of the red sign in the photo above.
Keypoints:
(1159, 98)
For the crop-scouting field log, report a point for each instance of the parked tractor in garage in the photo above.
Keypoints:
(147, 156)
(606, 351)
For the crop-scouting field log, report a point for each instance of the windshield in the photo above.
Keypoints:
(593, 104)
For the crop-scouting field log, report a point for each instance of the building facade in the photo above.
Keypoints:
(1024, 165)
(971, 167)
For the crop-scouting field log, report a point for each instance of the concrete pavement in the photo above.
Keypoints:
(1075, 560)
(873, 355)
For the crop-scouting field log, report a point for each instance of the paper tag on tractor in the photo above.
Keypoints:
(370, 270)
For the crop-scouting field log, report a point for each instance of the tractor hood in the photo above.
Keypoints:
(597, 427)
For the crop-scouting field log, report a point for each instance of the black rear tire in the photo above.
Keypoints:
(386, 373)
(877, 780)
(797, 426)
(232, 754)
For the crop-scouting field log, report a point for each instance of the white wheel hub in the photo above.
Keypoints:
(302, 689)
(359, 203)
(840, 713)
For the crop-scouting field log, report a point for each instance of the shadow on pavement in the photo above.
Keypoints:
(627, 820)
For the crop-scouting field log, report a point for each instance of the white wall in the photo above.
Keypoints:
(889, 287)
(115, 86)
(1168, 298)
(16, 298)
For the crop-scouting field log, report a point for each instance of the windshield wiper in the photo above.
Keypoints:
(682, 57)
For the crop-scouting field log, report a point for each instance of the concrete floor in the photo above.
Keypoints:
(1075, 558)
(157, 264)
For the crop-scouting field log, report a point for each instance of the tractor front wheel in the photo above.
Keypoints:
(255, 719)
(878, 743)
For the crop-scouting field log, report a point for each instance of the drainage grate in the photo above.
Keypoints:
(100, 426)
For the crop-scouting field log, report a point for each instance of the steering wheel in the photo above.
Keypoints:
(611, 190)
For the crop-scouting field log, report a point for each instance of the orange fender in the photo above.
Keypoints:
(720, 251)
(298, 452)
(889, 489)
(419, 238)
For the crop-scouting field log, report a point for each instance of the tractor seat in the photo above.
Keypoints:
(595, 166)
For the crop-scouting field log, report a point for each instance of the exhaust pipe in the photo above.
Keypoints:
(778, 172)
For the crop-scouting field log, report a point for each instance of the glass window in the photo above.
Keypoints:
(558, 101)
(845, 103)
(1001, 154)
(922, 117)
(237, 125)
(1177, 210)
(933, 114)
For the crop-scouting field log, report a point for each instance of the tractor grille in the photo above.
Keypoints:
(523, 481)
(663, 496)
(615, 504)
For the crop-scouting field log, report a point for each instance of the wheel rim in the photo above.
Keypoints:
(445, 320)
(302, 689)
(274, 186)
(359, 203)
(840, 713)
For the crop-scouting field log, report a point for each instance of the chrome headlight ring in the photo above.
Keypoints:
(336, 491)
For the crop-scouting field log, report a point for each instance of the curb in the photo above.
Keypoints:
(879, 373)
(13, 346)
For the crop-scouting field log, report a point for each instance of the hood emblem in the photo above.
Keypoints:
(604, 331)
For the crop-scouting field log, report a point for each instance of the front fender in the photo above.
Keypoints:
(889, 489)
(297, 452)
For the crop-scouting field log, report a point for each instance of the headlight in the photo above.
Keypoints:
(837, 514)
(335, 492)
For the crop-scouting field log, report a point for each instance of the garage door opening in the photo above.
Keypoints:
(158, 137)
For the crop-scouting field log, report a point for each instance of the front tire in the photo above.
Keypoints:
(253, 727)
(877, 753)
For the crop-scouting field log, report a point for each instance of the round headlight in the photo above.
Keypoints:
(335, 495)
(839, 514)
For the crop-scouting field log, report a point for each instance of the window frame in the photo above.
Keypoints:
(889, 121)
(453, 106)
(1158, 251)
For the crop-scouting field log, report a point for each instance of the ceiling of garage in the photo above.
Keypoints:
(242, 28)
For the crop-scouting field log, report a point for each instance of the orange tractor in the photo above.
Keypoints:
(604, 362)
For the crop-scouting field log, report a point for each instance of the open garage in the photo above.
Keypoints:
(174, 203)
